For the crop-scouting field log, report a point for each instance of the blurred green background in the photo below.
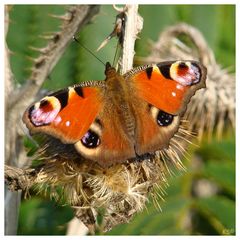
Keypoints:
(200, 201)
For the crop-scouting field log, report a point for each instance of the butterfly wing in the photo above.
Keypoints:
(169, 85)
(66, 114)
(88, 117)
(165, 89)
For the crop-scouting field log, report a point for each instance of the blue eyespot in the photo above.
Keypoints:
(164, 119)
(90, 139)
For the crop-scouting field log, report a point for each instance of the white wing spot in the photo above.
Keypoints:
(180, 87)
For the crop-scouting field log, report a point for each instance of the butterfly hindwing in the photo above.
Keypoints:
(159, 127)
(166, 89)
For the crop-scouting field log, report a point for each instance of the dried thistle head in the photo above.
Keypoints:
(121, 190)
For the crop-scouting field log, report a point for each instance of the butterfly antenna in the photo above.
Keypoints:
(115, 55)
(88, 50)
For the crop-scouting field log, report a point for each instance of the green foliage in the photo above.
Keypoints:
(183, 211)
(41, 217)
(216, 22)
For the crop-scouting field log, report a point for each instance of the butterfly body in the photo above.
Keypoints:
(124, 117)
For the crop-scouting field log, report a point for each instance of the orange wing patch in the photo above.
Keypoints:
(163, 93)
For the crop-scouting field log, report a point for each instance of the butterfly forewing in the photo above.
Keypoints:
(65, 114)
(169, 85)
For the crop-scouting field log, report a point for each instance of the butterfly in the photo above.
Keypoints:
(122, 117)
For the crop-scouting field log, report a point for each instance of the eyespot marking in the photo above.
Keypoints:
(90, 139)
(164, 119)
(62, 97)
(186, 73)
(44, 112)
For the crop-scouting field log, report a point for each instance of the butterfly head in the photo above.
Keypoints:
(109, 70)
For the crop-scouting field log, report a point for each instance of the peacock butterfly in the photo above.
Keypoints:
(122, 117)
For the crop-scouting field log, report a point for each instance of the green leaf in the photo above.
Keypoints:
(219, 210)
(218, 150)
(43, 217)
(223, 174)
